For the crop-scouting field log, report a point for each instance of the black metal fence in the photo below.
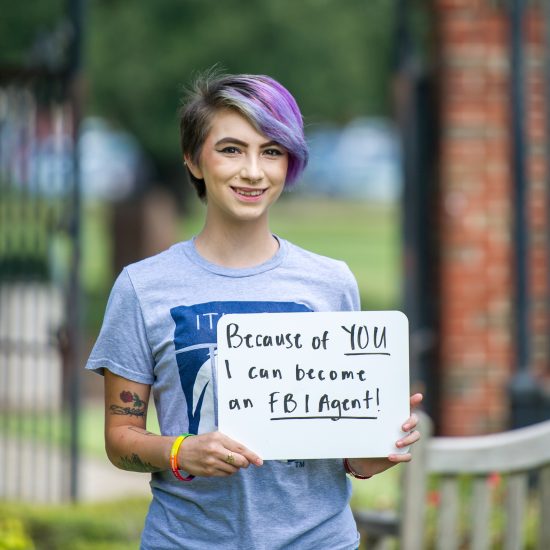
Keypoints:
(39, 290)
(37, 246)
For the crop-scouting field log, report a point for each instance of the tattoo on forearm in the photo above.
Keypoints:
(135, 464)
(138, 408)
(140, 430)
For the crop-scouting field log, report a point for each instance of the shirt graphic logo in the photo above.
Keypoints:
(195, 345)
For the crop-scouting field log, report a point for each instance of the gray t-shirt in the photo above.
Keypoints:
(160, 329)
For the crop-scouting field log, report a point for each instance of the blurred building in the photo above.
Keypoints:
(477, 249)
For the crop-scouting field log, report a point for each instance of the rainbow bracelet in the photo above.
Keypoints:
(174, 458)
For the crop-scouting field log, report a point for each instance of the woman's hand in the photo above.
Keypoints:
(372, 466)
(214, 454)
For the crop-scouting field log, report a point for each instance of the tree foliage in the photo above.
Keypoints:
(334, 55)
(24, 27)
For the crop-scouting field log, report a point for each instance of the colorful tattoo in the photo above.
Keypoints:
(135, 464)
(129, 397)
(126, 396)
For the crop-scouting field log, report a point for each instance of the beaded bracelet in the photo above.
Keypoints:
(352, 472)
(174, 458)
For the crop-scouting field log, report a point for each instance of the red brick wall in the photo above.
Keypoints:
(475, 215)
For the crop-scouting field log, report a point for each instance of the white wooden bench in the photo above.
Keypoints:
(519, 460)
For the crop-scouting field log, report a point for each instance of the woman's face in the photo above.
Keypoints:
(243, 170)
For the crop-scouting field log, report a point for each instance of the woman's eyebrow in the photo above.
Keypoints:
(270, 144)
(231, 140)
(243, 143)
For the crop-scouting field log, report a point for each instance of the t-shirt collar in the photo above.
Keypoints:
(192, 253)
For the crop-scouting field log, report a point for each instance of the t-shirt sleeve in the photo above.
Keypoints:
(122, 345)
(351, 300)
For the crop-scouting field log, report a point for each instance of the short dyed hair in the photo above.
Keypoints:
(265, 103)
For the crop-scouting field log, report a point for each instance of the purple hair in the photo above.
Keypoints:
(265, 103)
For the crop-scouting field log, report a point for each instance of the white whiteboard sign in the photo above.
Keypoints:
(314, 385)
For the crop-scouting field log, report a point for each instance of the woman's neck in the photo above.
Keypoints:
(238, 246)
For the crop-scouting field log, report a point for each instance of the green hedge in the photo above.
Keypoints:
(112, 525)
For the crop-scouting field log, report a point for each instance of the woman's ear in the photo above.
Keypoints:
(192, 167)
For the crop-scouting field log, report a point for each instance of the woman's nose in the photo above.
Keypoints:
(251, 170)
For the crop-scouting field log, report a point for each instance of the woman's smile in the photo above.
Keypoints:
(248, 194)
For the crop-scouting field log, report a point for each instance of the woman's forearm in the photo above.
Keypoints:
(128, 444)
(137, 450)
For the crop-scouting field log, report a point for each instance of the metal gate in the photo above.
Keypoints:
(39, 292)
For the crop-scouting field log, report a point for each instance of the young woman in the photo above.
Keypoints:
(242, 140)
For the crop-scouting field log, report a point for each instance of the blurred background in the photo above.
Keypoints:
(429, 175)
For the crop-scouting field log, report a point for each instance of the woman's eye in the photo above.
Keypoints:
(273, 152)
(230, 149)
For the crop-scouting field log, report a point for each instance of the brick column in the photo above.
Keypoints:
(475, 215)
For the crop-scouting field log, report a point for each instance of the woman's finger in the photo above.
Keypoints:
(230, 462)
(410, 424)
(215, 461)
(228, 465)
(409, 439)
(415, 400)
(233, 459)
(398, 458)
(249, 456)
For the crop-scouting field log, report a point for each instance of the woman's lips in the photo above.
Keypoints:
(248, 194)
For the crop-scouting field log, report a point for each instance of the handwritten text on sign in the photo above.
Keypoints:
(314, 385)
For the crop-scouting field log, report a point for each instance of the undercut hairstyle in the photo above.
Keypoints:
(267, 105)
